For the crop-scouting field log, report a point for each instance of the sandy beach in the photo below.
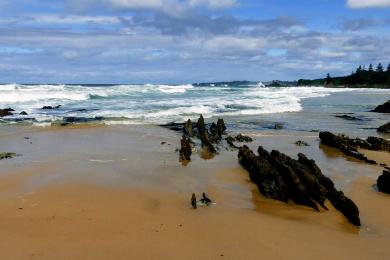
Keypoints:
(119, 192)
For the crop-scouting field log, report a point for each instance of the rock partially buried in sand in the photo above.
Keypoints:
(243, 138)
(383, 182)
(282, 178)
(385, 108)
(194, 201)
(301, 143)
(185, 150)
(7, 155)
(384, 128)
(203, 135)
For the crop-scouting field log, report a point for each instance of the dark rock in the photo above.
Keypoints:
(383, 182)
(193, 201)
(213, 129)
(203, 135)
(186, 150)
(378, 144)
(385, 108)
(205, 200)
(50, 107)
(347, 117)
(301, 143)
(5, 112)
(9, 109)
(230, 141)
(384, 128)
(280, 177)
(278, 126)
(349, 145)
(174, 127)
(243, 138)
(188, 128)
(221, 128)
(23, 113)
(7, 155)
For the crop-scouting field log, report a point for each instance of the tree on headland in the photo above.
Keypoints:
(328, 79)
(370, 68)
(361, 77)
(379, 68)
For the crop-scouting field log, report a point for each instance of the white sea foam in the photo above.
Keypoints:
(138, 104)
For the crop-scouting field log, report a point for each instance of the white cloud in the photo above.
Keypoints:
(368, 3)
(166, 6)
(213, 3)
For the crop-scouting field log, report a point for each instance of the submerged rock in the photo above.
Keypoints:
(384, 128)
(50, 107)
(383, 182)
(23, 113)
(348, 117)
(385, 108)
(282, 178)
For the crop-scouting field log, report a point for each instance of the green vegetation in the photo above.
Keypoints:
(362, 77)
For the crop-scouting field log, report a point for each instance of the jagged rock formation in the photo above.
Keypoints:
(383, 182)
(349, 145)
(282, 178)
(384, 128)
(204, 135)
(385, 108)
(210, 135)
(186, 150)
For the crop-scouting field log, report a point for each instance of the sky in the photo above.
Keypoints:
(187, 41)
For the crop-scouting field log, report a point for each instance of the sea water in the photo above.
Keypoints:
(249, 106)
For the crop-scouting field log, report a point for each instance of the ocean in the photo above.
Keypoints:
(247, 106)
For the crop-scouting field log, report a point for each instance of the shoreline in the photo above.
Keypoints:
(120, 191)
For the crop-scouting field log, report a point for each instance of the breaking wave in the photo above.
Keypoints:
(139, 104)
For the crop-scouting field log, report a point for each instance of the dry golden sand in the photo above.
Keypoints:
(55, 204)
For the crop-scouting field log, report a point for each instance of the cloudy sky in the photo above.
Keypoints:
(184, 41)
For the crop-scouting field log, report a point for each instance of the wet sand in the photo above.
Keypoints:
(119, 193)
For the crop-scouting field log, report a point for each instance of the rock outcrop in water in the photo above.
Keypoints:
(383, 182)
(385, 108)
(6, 112)
(384, 128)
(349, 145)
(50, 107)
(282, 178)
